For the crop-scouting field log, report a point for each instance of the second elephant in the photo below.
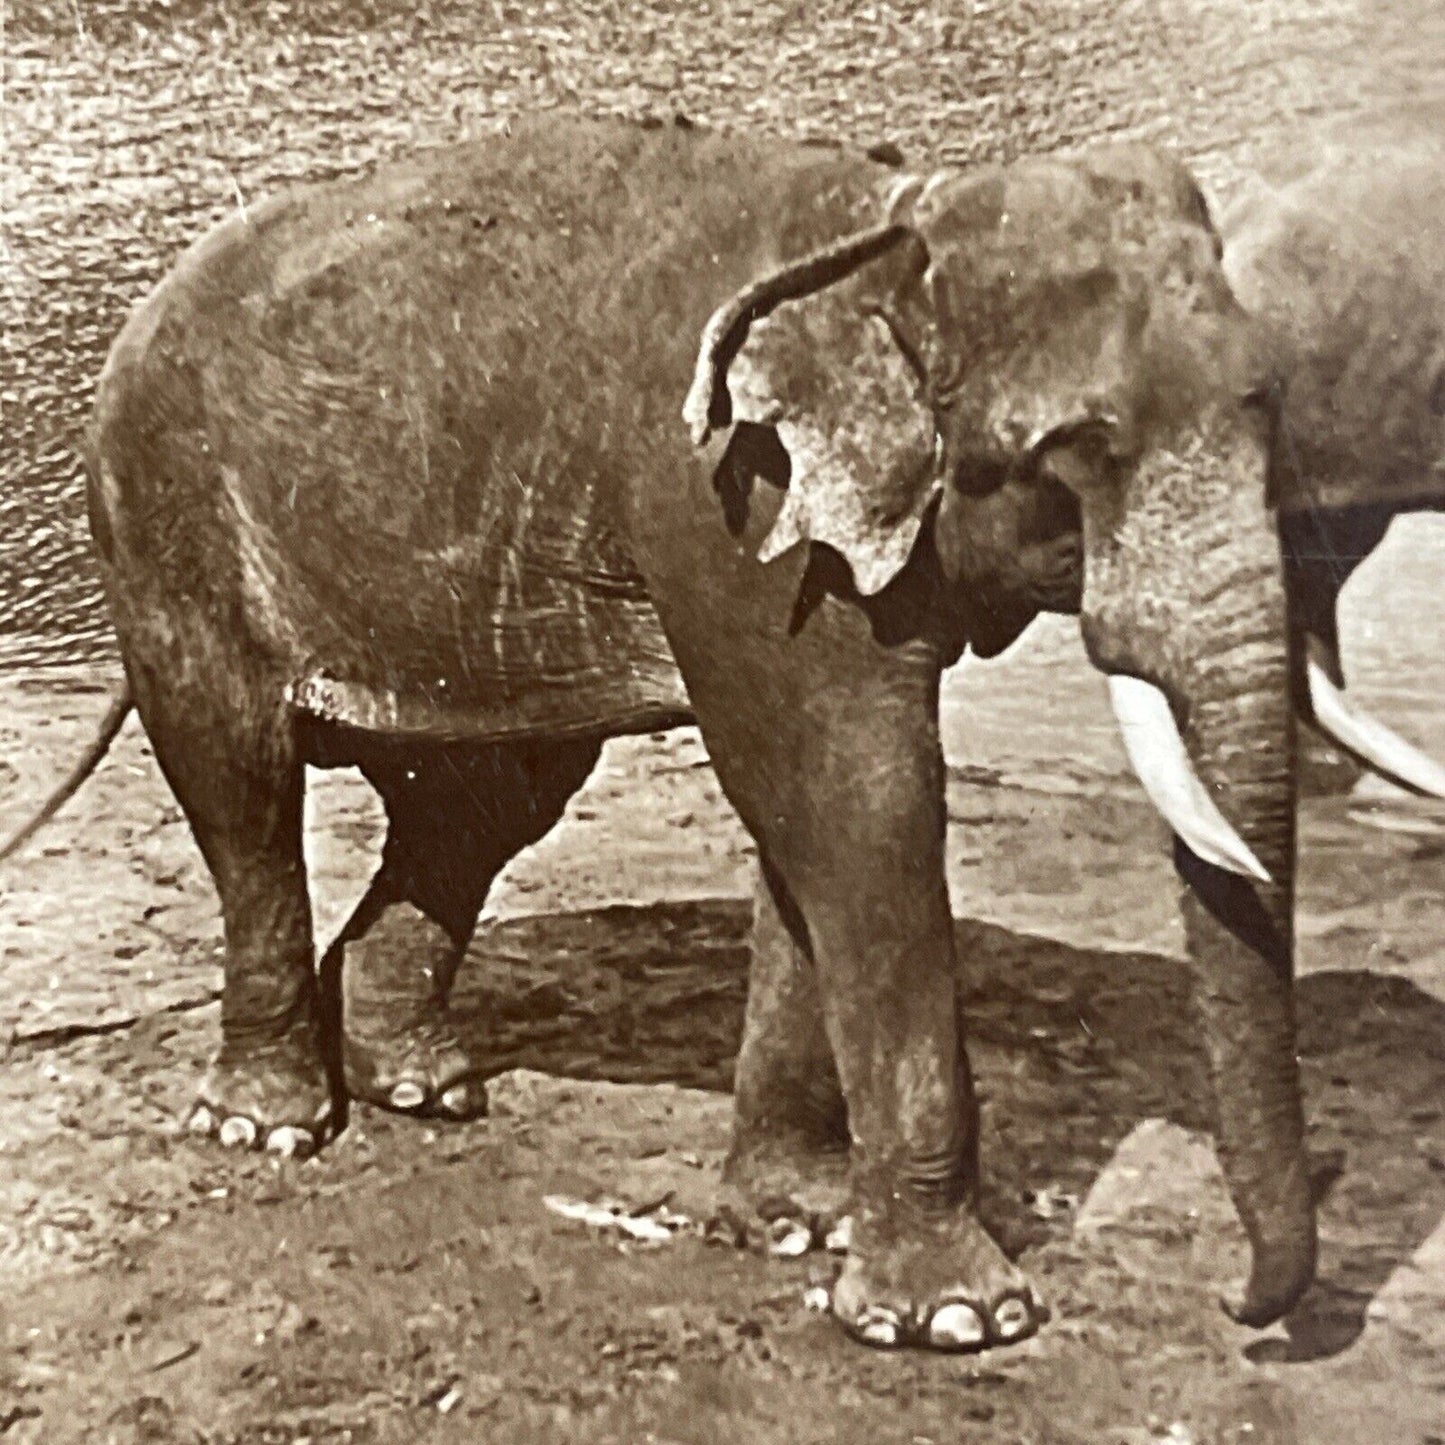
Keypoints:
(1336, 247)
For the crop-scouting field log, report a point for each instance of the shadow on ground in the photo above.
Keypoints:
(409, 1286)
(1074, 1048)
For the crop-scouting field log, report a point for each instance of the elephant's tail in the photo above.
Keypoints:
(120, 706)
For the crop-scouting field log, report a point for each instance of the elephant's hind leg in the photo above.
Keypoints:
(228, 750)
(456, 816)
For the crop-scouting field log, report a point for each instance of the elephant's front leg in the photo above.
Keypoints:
(786, 1176)
(834, 764)
(921, 1267)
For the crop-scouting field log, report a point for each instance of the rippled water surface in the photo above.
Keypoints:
(129, 128)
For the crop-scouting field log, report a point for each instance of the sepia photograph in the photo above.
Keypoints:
(722, 723)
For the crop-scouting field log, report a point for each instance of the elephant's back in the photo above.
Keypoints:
(392, 415)
(548, 282)
(1339, 255)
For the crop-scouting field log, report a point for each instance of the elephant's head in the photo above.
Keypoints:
(1049, 355)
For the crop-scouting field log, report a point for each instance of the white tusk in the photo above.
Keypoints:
(1157, 754)
(1370, 740)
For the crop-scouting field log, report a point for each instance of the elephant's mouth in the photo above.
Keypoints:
(1055, 569)
(1047, 567)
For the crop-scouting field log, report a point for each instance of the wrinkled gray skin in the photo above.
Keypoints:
(393, 473)
(1337, 247)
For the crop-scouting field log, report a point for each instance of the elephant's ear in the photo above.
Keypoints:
(841, 387)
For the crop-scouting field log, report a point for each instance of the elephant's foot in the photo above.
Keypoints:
(914, 1277)
(271, 1095)
(785, 1194)
(415, 1065)
(399, 1049)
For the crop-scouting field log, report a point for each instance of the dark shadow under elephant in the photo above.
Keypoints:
(1075, 1048)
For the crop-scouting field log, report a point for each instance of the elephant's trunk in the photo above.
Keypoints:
(1240, 737)
(1202, 616)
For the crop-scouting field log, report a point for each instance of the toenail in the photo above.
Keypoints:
(788, 1239)
(840, 1237)
(238, 1130)
(879, 1327)
(1013, 1318)
(458, 1100)
(407, 1095)
(202, 1121)
(290, 1143)
(956, 1326)
(722, 1230)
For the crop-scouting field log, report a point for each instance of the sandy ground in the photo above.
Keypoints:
(410, 1285)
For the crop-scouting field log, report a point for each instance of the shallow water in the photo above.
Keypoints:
(129, 128)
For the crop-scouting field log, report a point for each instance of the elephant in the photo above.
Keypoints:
(1335, 248)
(585, 429)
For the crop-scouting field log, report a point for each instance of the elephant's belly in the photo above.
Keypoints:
(576, 665)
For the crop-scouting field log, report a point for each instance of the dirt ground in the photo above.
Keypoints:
(411, 1285)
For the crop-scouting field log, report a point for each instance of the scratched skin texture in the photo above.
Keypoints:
(385, 418)
(402, 421)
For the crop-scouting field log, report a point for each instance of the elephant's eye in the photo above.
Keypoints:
(1069, 465)
(1266, 396)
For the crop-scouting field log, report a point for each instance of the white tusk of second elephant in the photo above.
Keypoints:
(1157, 754)
(1370, 740)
